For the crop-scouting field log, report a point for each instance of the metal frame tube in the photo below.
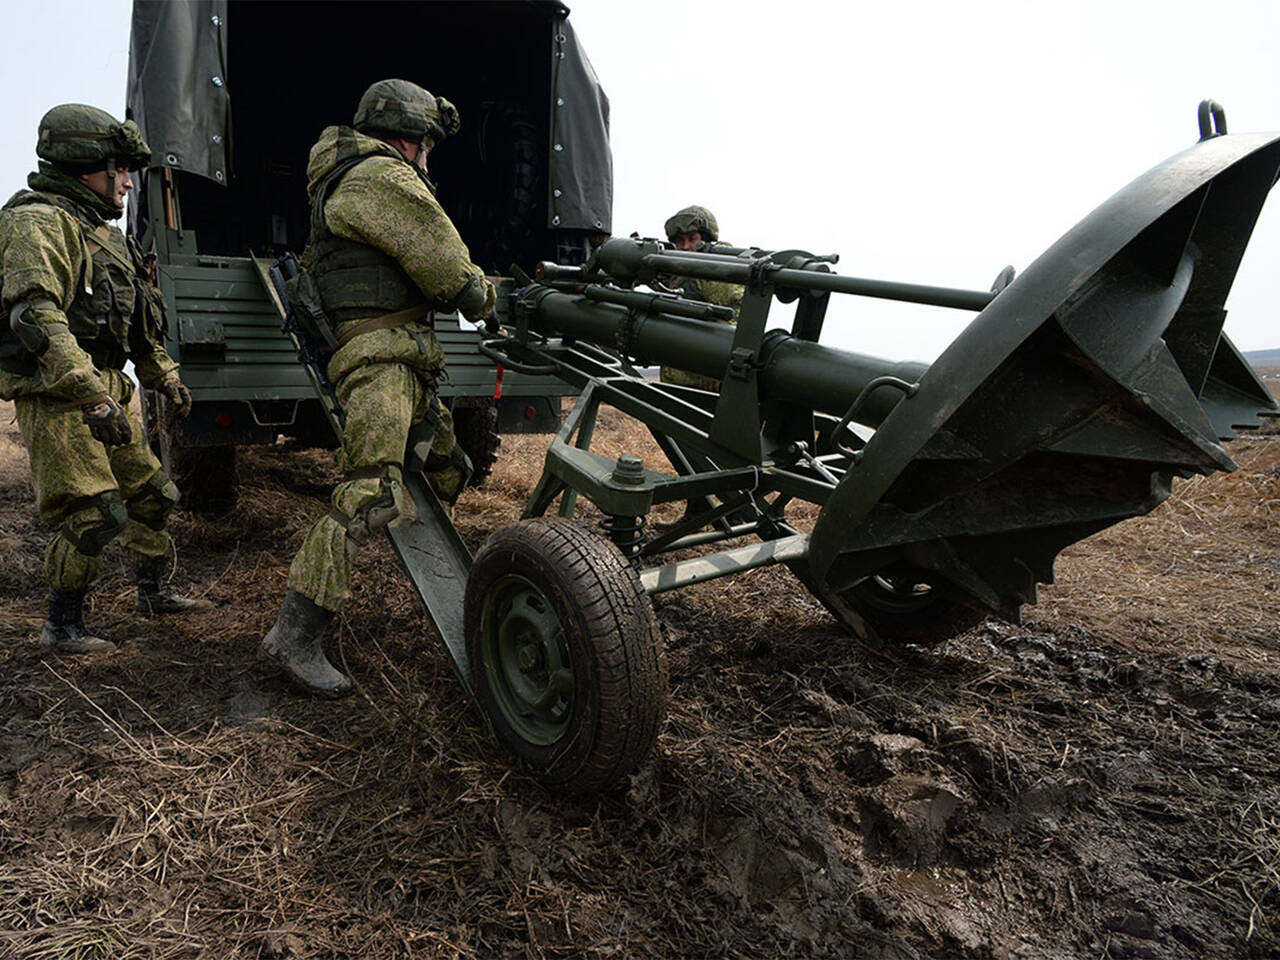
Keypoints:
(735, 270)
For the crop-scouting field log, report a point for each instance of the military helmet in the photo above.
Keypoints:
(403, 109)
(82, 139)
(693, 219)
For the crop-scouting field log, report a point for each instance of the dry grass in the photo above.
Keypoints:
(1202, 570)
(1050, 789)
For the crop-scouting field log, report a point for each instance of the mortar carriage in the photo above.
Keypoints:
(1077, 394)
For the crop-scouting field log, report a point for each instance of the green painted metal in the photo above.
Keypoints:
(701, 569)
(437, 561)
(785, 368)
(1081, 389)
(796, 270)
(226, 333)
(530, 667)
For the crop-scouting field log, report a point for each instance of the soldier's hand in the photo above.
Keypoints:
(108, 423)
(176, 392)
(476, 299)
(493, 323)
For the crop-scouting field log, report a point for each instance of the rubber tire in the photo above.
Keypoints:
(206, 476)
(926, 622)
(475, 427)
(619, 697)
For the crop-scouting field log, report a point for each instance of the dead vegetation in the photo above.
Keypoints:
(1096, 781)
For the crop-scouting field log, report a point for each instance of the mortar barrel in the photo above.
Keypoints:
(1071, 401)
(824, 378)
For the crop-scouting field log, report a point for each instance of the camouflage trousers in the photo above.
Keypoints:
(382, 401)
(94, 492)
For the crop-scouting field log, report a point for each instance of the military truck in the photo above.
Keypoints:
(231, 94)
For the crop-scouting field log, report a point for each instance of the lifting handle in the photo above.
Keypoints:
(1218, 127)
(490, 349)
(910, 389)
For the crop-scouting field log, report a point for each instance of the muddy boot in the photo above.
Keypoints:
(154, 595)
(295, 643)
(64, 631)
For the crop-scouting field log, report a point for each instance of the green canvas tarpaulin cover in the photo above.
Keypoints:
(581, 166)
(178, 90)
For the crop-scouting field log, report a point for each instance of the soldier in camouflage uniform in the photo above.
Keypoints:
(687, 229)
(382, 254)
(78, 303)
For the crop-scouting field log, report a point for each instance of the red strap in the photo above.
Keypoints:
(497, 384)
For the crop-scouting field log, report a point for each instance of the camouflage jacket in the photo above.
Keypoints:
(91, 306)
(387, 204)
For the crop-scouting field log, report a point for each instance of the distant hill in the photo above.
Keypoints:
(1263, 358)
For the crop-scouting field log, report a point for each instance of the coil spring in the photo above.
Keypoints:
(627, 533)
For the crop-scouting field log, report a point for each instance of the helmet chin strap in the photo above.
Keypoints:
(111, 179)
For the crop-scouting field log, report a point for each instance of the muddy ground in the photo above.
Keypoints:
(1097, 781)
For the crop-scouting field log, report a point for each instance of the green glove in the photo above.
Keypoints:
(476, 299)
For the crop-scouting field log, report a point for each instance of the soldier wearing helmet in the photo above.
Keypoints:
(688, 229)
(691, 226)
(77, 304)
(383, 255)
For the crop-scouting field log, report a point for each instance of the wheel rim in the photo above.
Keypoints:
(527, 660)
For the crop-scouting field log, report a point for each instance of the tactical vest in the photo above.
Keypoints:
(106, 295)
(356, 281)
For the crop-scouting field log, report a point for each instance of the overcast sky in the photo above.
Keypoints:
(926, 142)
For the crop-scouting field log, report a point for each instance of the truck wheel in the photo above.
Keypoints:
(566, 654)
(206, 478)
(475, 427)
(900, 608)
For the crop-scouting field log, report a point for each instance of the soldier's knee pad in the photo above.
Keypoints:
(374, 514)
(111, 517)
(152, 505)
